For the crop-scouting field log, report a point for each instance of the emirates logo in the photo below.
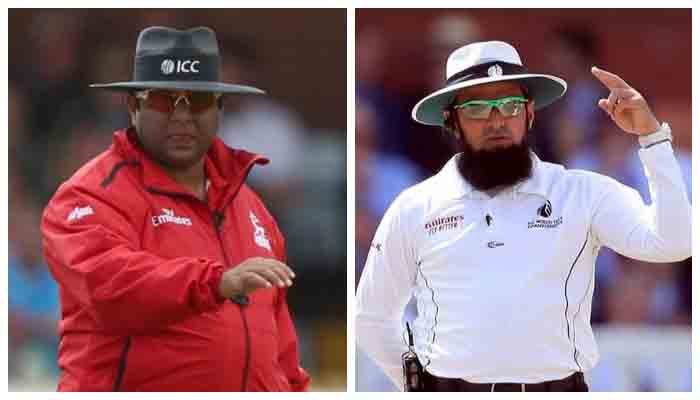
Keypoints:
(168, 217)
(444, 224)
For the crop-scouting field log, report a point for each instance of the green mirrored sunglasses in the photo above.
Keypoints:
(510, 106)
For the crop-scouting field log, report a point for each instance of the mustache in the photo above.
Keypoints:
(486, 169)
(491, 131)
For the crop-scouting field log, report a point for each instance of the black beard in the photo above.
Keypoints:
(487, 169)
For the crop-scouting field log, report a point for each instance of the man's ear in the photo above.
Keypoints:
(133, 106)
(446, 120)
(530, 114)
(450, 124)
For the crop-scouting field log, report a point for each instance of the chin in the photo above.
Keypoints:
(498, 146)
(182, 159)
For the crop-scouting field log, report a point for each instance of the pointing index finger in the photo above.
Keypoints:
(610, 80)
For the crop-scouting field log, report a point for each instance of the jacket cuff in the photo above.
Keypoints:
(215, 282)
(660, 136)
(302, 382)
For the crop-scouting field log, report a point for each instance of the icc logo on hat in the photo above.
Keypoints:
(169, 66)
(172, 59)
(495, 71)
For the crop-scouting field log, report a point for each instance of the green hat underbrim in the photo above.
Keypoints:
(543, 89)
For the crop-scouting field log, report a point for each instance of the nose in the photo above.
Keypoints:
(496, 118)
(181, 112)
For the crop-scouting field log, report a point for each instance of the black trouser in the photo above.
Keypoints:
(572, 383)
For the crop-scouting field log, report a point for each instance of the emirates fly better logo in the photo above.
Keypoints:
(441, 224)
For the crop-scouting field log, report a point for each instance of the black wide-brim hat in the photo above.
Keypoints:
(482, 63)
(172, 59)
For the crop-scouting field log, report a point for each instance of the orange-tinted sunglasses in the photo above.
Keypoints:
(166, 101)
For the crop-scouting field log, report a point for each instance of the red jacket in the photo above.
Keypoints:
(139, 259)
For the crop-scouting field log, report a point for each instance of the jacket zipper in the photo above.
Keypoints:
(122, 365)
(241, 300)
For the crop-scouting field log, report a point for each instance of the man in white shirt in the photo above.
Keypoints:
(499, 247)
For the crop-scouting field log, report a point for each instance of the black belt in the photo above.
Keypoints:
(572, 383)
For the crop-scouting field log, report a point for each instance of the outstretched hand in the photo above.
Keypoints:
(253, 274)
(625, 105)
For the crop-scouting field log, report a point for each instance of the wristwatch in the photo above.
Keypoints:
(658, 137)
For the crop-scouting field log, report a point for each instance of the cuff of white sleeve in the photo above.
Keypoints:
(660, 136)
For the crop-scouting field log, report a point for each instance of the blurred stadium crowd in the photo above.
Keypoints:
(56, 123)
(400, 57)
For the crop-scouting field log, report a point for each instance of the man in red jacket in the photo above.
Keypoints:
(172, 273)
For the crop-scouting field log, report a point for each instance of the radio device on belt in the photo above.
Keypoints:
(412, 369)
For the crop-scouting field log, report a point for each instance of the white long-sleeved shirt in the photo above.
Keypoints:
(509, 299)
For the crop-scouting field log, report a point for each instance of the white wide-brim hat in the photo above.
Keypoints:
(482, 63)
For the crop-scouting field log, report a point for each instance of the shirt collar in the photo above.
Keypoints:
(538, 183)
(226, 168)
(454, 186)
